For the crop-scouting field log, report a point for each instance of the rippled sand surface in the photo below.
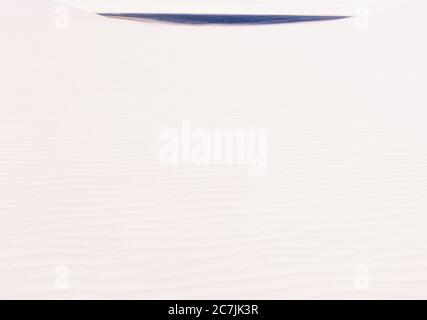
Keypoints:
(88, 211)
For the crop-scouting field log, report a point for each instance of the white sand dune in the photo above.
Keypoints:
(325, 7)
(82, 188)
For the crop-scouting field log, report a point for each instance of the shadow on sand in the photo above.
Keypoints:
(226, 19)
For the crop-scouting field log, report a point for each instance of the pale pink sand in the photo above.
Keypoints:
(85, 201)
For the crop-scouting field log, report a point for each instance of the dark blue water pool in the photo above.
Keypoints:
(231, 19)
